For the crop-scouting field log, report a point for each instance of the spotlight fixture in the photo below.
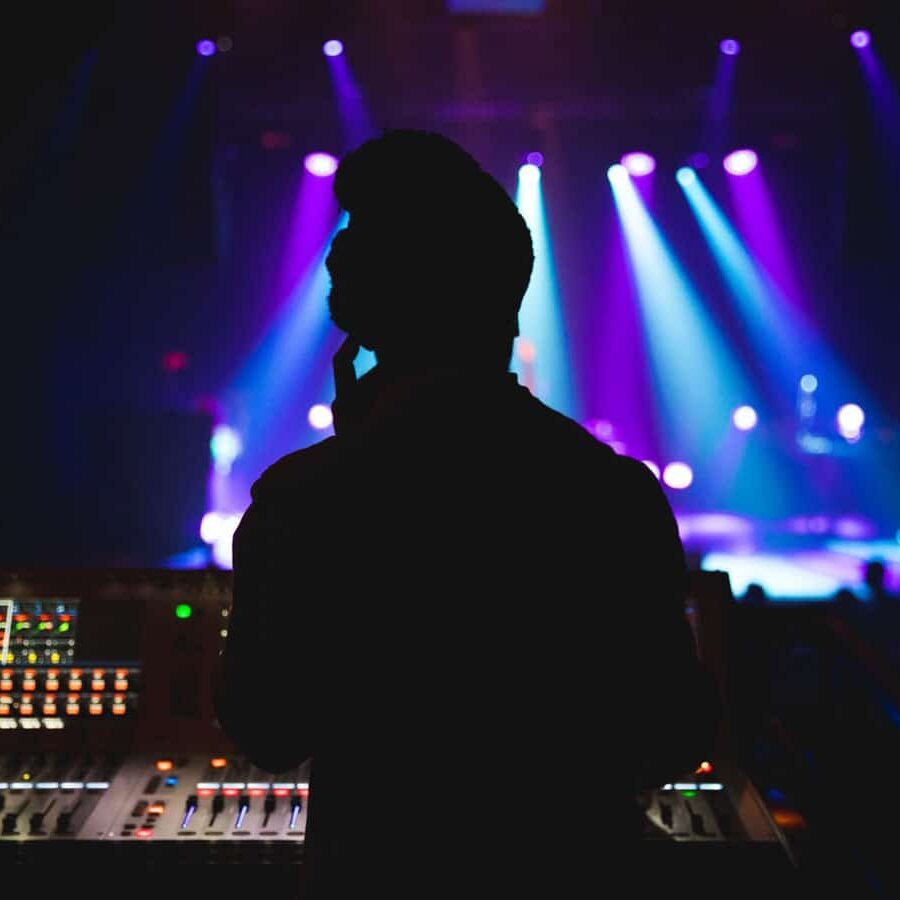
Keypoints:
(320, 164)
(730, 47)
(332, 48)
(206, 48)
(860, 39)
(638, 163)
(744, 418)
(740, 162)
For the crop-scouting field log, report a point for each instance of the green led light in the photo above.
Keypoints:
(183, 611)
(63, 626)
(688, 793)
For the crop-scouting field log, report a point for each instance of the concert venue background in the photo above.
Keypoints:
(713, 195)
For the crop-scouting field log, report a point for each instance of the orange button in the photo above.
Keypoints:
(164, 765)
(156, 809)
(218, 762)
(26, 708)
(73, 708)
(120, 684)
(6, 684)
(49, 708)
(96, 707)
(4, 709)
(29, 684)
(74, 684)
(52, 684)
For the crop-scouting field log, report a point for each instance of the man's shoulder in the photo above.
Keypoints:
(298, 469)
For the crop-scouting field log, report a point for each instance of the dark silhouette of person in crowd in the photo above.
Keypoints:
(466, 610)
(755, 596)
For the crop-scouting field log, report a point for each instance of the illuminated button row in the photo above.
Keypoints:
(73, 705)
(694, 786)
(54, 786)
(99, 680)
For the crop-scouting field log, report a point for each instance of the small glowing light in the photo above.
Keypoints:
(652, 466)
(535, 158)
(744, 418)
(678, 475)
(218, 762)
(808, 384)
(638, 163)
(860, 39)
(740, 162)
(210, 527)
(704, 768)
(685, 176)
(529, 173)
(183, 611)
(332, 48)
(730, 47)
(320, 164)
(850, 420)
(206, 48)
(225, 446)
(164, 765)
(320, 416)
(617, 173)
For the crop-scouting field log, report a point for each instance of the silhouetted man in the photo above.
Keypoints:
(462, 606)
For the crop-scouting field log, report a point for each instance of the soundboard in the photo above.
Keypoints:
(108, 737)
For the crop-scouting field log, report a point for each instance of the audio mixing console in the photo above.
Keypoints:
(108, 736)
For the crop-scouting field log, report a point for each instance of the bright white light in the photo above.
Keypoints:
(217, 526)
(210, 527)
(652, 466)
(740, 162)
(744, 418)
(332, 48)
(320, 416)
(638, 163)
(678, 475)
(850, 420)
(685, 176)
(808, 384)
(529, 173)
(617, 173)
(320, 164)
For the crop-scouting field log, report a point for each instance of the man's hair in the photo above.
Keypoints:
(434, 241)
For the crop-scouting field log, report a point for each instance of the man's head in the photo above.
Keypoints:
(435, 258)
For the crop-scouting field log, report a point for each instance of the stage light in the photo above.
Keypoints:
(744, 418)
(320, 416)
(860, 39)
(740, 162)
(320, 164)
(850, 420)
(529, 173)
(535, 158)
(206, 48)
(210, 527)
(730, 47)
(225, 446)
(638, 163)
(332, 48)
(685, 176)
(224, 43)
(808, 384)
(617, 173)
(678, 475)
(652, 466)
